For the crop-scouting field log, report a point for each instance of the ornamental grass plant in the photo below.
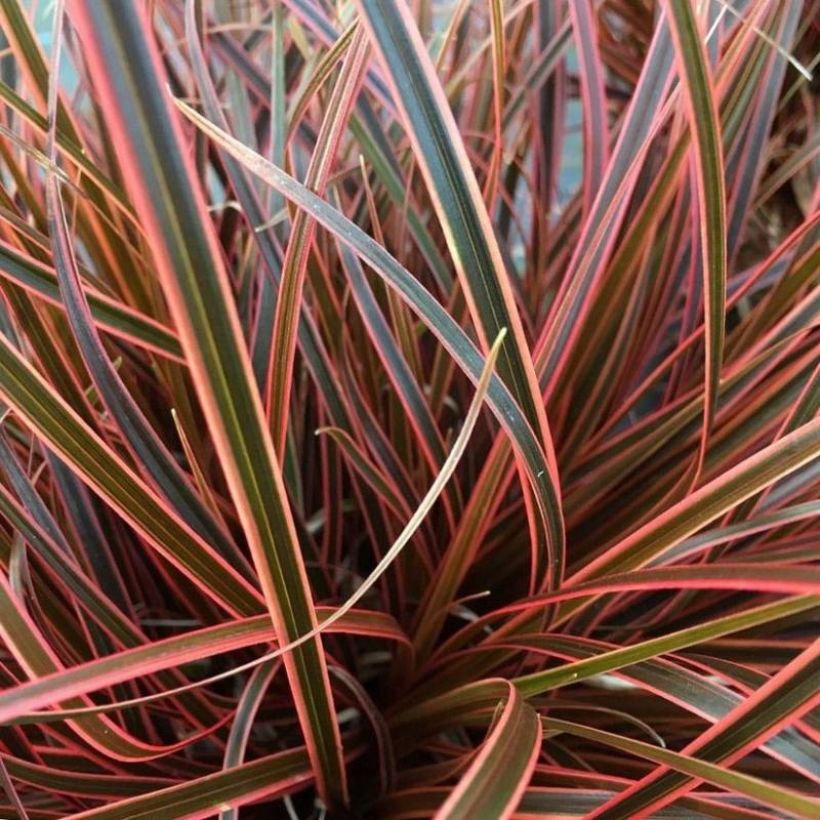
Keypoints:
(409, 409)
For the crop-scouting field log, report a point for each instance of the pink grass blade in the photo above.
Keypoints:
(200, 797)
(572, 302)
(538, 682)
(596, 126)
(168, 653)
(152, 456)
(107, 474)
(109, 314)
(241, 728)
(781, 700)
(37, 658)
(194, 279)
(500, 772)
(499, 72)
(302, 231)
(763, 792)
(719, 495)
(705, 124)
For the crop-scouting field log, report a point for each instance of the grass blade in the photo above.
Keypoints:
(694, 73)
(496, 779)
(778, 798)
(196, 286)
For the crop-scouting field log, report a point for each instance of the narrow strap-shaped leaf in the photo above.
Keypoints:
(365, 127)
(86, 520)
(674, 681)
(549, 93)
(721, 494)
(29, 648)
(753, 150)
(694, 73)
(549, 802)
(751, 526)
(538, 682)
(105, 610)
(761, 791)
(301, 237)
(322, 70)
(599, 230)
(345, 611)
(56, 556)
(252, 208)
(138, 661)
(201, 797)
(775, 578)
(380, 732)
(261, 340)
(541, 70)
(246, 711)
(596, 127)
(499, 70)
(546, 803)
(81, 784)
(457, 199)
(126, 68)
(111, 315)
(378, 482)
(151, 454)
(461, 551)
(310, 343)
(396, 366)
(645, 667)
(44, 412)
(320, 21)
(69, 147)
(786, 695)
(101, 241)
(500, 772)
(32, 502)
